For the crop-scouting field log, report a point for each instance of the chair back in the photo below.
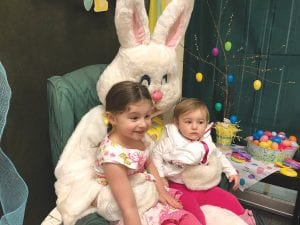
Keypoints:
(70, 96)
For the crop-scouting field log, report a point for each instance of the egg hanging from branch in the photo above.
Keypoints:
(199, 77)
(257, 85)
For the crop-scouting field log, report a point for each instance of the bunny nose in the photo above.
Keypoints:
(156, 96)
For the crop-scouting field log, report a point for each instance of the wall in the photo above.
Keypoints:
(39, 39)
(265, 46)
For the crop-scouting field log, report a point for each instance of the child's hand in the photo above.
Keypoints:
(165, 182)
(236, 181)
(166, 198)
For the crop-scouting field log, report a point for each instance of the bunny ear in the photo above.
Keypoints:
(131, 22)
(172, 24)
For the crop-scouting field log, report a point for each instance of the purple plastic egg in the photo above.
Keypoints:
(215, 52)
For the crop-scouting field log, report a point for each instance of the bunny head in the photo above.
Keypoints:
(148, 59)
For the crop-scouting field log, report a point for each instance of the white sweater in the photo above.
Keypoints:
(174, 152)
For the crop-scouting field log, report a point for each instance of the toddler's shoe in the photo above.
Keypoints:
(248, 217)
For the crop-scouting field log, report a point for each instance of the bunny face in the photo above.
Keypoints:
(145, 59)
(153, 65)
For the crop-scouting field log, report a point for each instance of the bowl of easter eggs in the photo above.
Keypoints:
(271, 146)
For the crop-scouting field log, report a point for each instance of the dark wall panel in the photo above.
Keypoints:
(39, 39)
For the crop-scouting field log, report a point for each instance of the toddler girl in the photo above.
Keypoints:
(188, 143)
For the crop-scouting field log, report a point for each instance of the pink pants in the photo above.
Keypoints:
(188, 219)
(192, 200)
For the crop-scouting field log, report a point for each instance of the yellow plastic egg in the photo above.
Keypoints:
(199, 77)
(263, 144)
(257, 85)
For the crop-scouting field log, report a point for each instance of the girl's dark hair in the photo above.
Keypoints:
(124, 93)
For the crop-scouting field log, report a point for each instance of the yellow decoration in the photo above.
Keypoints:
(199, 77)
(225, 132)
(155, 9)
(156, 129)
(288, 172)
(257, 85)
(100, 5)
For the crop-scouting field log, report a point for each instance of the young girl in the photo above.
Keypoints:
(122, 159)
(188, 143)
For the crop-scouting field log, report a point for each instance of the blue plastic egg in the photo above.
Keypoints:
(276, 139)
(260, 133)
(230, 78)
(233, 119)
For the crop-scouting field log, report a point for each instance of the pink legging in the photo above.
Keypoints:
(192, 200)
(188, 219)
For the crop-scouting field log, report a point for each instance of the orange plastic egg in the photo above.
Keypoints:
(293, 138)
(286, 143)
(274, 145)
(255, 142)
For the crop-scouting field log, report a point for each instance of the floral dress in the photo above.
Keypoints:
(134, 160)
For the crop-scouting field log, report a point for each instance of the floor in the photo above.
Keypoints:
(273, 205)
(267, 218)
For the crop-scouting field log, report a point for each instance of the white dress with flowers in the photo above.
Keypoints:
(134, 160)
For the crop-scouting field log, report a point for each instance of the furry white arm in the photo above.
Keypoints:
(227, 167)
(157, 155)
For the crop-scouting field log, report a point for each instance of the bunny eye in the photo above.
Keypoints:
(164, 79)
(145, 80)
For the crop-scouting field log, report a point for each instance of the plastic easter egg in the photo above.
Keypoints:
(218, 106)
(257, 85)
(269, 142)
(281, 136)
(274, 133)
(276, 139)
(199, 77)
(230, 78)
(255, 136)
(242, 181)
(268, 133)
(260, 133)
(294, 144)
(255, 142)
(250, 138)
(293, 138)
(233, 119)
(227, 46)
(264, 138)
(286, 143)
(215, 52)
(263, 144)
(274, 145)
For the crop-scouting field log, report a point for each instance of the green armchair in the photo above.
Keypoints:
(69, 98)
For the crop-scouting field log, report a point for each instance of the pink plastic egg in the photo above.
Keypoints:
(268, 133)
(215, 52)
(264, 138)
